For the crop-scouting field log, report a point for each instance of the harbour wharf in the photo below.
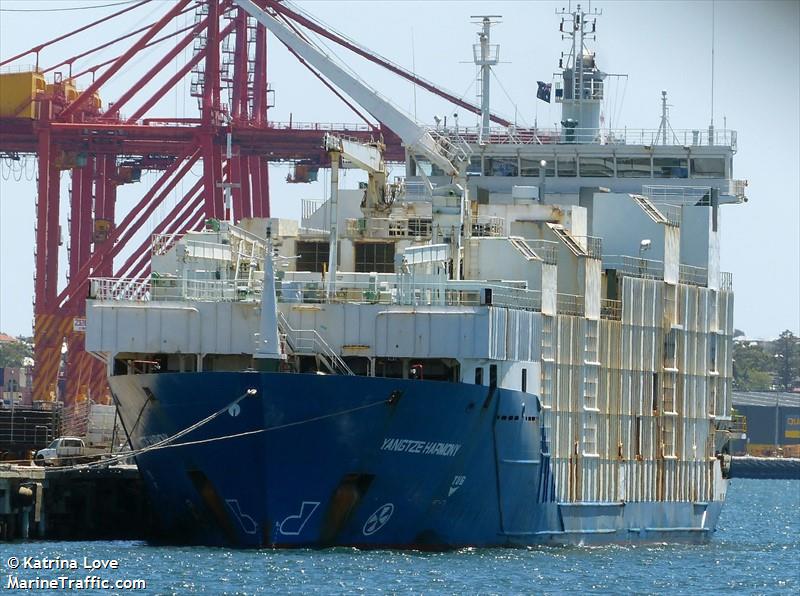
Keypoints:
(73, 503)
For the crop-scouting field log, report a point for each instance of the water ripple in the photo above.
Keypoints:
(754, 551)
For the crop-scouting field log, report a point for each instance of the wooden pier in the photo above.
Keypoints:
(78, 503)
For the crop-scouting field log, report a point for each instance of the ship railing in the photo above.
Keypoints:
(246, 247)
(611, 309)
(107, 289)
(469, 293)
(693, 195)
(738, 424)
(650, 269)
(690, 274)
(388, 288)
(726, 281)
(166, 288)
(617, 136)
(242, 234)
(591, 245)
(671, 212)
(310, 342)
(240, 247)
(570, 304)
(737, 188)
(454, 147)
(162, 243)
(483, 226)
(308, 207)
(381, 227)
(12, 68)
(677, 195)
(336, 127)
(547, 250)
(205, 290)
(634, 266)
(416, 190)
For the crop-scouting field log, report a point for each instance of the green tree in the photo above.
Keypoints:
(786, 351)
(751, 367)
(14, 353)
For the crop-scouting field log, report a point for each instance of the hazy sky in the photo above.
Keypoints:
(660, 45)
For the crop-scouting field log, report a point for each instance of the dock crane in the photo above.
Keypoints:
(450, 157)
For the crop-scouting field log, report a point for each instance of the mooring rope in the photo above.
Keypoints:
(169, 442)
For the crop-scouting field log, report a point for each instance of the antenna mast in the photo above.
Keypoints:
(664, 126)
(713, 30)
(485, 56)
(583, 81)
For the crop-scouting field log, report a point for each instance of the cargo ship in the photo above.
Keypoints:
(526, 340)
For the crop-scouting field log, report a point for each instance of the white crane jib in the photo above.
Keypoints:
(416, 138)
(451, 158)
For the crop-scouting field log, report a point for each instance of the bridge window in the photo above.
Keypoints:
(312, 256)
(503, 166)
(567, 167)
(708, 167)
(474, 167)
(597, 167)
(670, 167)
(529, 167)
(492, 376)
(479, 375)
(524, 383)
(375, 257)
(633, 167)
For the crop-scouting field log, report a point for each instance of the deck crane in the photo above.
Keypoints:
(377, 197)
(450, 157)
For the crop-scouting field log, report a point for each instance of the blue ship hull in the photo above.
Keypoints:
(314, 461)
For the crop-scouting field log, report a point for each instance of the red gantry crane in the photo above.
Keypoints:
(43, 113)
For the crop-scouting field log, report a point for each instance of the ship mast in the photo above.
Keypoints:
(582, 93)
(485, 55)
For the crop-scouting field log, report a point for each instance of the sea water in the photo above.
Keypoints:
(756, 550)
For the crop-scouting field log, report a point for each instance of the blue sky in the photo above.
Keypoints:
(660, 45)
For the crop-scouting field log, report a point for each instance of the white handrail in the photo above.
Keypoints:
(318, 344)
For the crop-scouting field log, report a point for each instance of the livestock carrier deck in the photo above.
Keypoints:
(527, 340)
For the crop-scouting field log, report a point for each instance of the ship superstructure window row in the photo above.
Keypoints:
(312, 256)
(601, 166)
(375, 257)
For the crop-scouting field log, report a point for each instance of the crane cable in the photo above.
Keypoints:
(69, 8)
